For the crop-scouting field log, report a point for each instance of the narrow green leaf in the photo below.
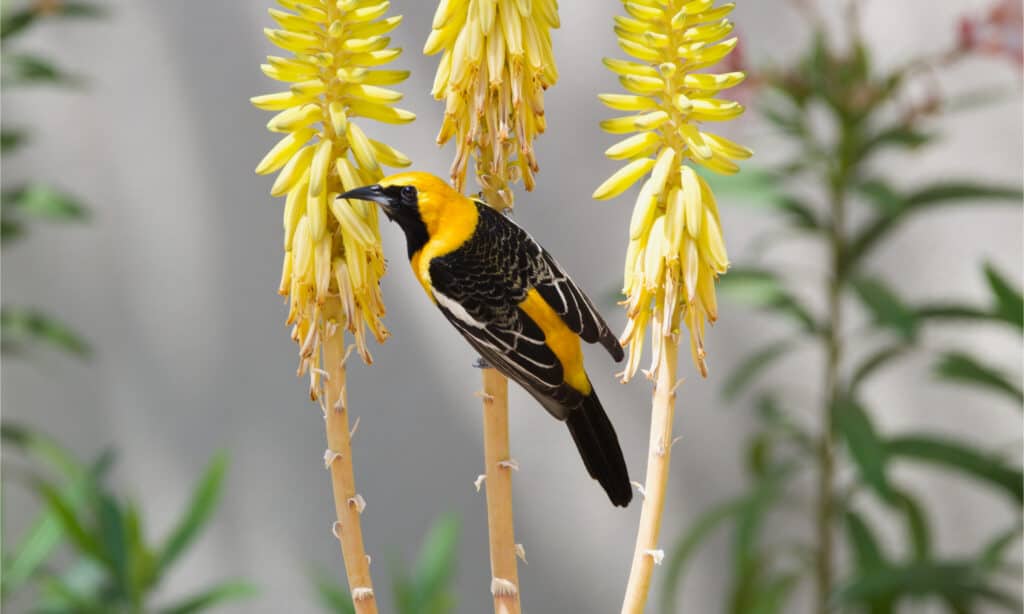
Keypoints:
(200, 508)
(20, 325)
(866, 551)
(882, 195)
(763, 290)
(111, 530)
(1009, 305)
(751, 187)
(867, 450)
(951, 311)
(751, 518)
(774, 595)
(923, 199)
(84, 541)
(686, 546)
(874, 362)
(23, 69)
(900, 135)
(992, 555)
(44, 202)
(215, 596)
(919, 534)
(951, 580)
(952, 454)
(964, 369)
(886, 308)
(16, 21)
(435, 565)
(10, 230)
(11, 139)
(752, 366)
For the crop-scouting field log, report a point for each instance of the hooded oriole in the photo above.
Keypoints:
(513, 303)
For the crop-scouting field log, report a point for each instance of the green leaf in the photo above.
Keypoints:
(951, 580)
(874, 362)
(926, 198)
(16, 21)
(752, 366)
(112, 532)
(774, 595)
(886, 308)
(200, 508)
(867, 449)
(10, 230)
(44, 202)
(763, 290)
(881, 195)
(903, 135)
(333, 597)
(867, 553)
(918, 529)
(686, 546)
(751, 518)
(28, 325)
(991, 556)
(964, 369)
(751, 187)
(85, 542)
(952, 454)
(215, 596)
(435, 565)
(1009, 305)
(11, 139)
(23, 69)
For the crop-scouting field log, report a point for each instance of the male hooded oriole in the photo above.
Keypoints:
(513, 303)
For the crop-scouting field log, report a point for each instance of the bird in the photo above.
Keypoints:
(513, 303)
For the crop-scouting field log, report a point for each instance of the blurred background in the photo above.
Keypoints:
(172, 279)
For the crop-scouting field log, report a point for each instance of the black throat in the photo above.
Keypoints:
(415, 232)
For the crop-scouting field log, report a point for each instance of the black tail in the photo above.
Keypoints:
(599, 446)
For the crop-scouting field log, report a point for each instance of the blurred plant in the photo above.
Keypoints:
(109, 566)
(496, 64)
(676, 248)
(25, 202)
(868, 116)
(427, 588)
(333, 259)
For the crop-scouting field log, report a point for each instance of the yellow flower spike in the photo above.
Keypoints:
(676, 249)
(330, 85)
(495, 65)
(675, 227)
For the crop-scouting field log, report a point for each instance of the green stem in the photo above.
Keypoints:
(834, 351)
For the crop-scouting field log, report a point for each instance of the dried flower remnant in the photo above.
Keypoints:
(676, 249)
(496, 63)
(1000, 32)
(333, 262)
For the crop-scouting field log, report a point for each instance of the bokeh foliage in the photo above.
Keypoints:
(852, 461)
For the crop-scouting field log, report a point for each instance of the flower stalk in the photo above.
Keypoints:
(333, 258)
(676, 248)
(496, 62)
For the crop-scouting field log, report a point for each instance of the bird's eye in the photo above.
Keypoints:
(408, 193)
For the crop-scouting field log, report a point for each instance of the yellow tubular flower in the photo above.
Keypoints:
(496, 64)
(676, 250)
(333, 261)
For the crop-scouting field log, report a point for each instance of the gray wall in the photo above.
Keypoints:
(174, 282)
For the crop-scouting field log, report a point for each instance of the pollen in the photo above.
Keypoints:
(676, 249)
(332, 52)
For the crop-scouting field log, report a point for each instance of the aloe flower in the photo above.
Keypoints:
(496, 64)
(333, 261)
(676, 249)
